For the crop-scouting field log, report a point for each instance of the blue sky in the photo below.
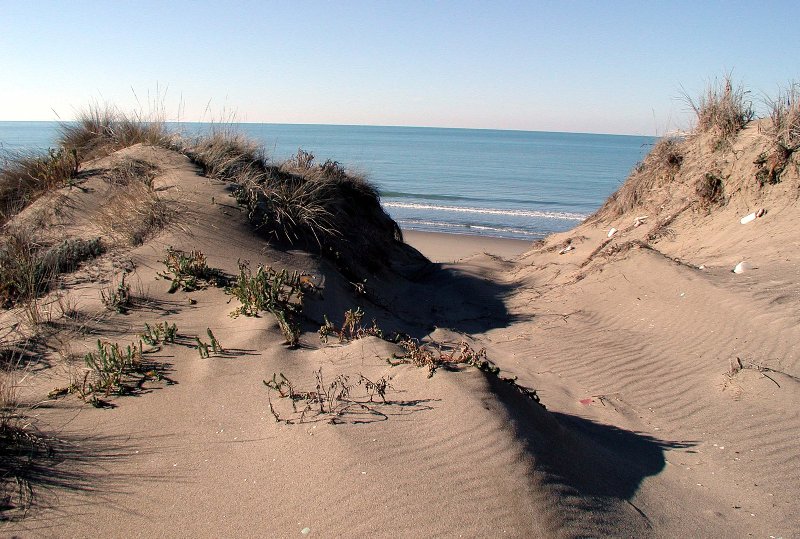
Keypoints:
(603, 67)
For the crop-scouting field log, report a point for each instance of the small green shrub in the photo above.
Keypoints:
(160, 333)
(118, 297)
(190, 271)
(108, 367)
(206, 349)
(278, 292)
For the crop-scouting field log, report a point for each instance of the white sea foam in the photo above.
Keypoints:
(488, 211)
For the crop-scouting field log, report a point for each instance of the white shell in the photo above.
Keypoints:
(747, 218)
(612, 232)
(741, 267)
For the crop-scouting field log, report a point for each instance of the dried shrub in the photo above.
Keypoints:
(710, 188)
(351, 328)
(328, 400)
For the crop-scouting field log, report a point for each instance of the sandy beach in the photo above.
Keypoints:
(450, 248)
(615, 380)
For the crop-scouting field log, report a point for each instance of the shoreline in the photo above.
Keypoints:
(448, 248)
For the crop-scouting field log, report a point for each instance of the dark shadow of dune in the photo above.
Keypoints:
(592, 470)
(463, 300)
(438, 295)
(414, 296)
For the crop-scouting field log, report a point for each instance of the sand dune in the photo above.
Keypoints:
(671, 391)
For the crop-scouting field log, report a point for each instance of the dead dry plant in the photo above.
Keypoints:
(329, 400)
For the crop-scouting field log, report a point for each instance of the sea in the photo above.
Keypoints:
(484, 182)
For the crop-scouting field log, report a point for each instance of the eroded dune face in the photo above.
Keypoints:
(630, 385)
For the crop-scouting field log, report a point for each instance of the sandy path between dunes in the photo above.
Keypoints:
(647, 432)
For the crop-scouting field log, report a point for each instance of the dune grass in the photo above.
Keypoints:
(319, 207)
(98, 131)
(28, 268)
(784, 118)
(102, 130)
(722, 110)
(24, 177)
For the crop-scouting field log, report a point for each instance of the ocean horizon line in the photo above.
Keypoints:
(387, 126)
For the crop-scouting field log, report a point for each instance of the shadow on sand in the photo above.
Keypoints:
(593, 470)
(37, 469)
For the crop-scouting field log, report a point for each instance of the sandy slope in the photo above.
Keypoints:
(647, 432)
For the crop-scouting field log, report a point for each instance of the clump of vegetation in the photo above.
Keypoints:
(28, 268)
(108, 365)
(784, 118)
(160, 333)
(20, 444)
(134, 212)
(102, 130)
(331, 400)
(710, 188)
(118, 297)
(278, 292)
(229, 156)
(659, 168)
(206, 349)
(783, 128)
(190, 271)
(723, 110)
(351, 328)
(432, 358)
(24, 178)
(435, 356)
(320, 207)
(112, 369)
(130, 170)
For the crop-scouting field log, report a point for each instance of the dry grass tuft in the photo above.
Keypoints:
(228, 156)
(658, 168)
(784, 118)
(102, 130)
(134, 213)
(25, 177)
(28, 268)
(723, 110)
(783, 130)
